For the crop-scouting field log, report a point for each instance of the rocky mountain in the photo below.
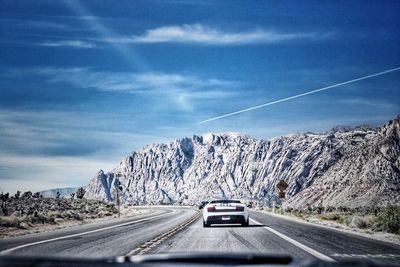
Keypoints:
(64, 192)
(344, 167)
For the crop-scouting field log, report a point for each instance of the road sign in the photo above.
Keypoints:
(282, 185)
(282, 194)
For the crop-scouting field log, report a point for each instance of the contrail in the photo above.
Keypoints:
(299, 95)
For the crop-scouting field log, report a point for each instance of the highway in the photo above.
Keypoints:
(274, 234)
(105, 239)
(267, 233)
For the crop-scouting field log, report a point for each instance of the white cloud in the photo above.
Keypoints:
(369, 103)
(68, 43)
(131, 82)
(179, 89)
(201, 34)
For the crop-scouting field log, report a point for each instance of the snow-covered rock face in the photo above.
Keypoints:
(347, 167)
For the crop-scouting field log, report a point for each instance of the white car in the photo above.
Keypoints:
(225, 212)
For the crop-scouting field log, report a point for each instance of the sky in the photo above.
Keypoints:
(85, 83)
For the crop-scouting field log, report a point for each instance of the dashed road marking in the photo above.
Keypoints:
(313, 252)
(142, 249)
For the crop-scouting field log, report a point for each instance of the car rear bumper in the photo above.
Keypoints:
(225, 219)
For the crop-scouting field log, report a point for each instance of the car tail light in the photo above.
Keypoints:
(238, 208)
(211, 209)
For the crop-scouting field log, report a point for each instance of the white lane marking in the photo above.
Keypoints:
(7, 251)
(297, 244)
(378, 256)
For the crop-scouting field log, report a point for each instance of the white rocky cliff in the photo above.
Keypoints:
(345, 167)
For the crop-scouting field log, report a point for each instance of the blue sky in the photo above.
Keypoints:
(84, 83)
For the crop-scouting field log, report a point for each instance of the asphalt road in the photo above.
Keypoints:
(267, 234)
(272, 234)
(106, 239)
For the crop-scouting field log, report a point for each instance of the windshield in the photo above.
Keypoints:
(120, 121)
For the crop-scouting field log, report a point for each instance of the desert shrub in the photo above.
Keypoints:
(111, 207)
(289, 209)
(27, 194)
(330, 216)
(105, 213)
(72, 215)
(347, 219)
(330, 209)
(10, 221)
(55, 214)
(358, 222)
(389, 219)
(370, 220)
(319, 209)
(343, 209)
(4, 197)
(40, 218)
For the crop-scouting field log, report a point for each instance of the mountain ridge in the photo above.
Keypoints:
(358, 166)
(65, 192)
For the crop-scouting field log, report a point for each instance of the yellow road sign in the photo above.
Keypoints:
(282, 185)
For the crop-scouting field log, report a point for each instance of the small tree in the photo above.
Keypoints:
(4, 198)
(80, 193)
(72, 195)
(58, 194)
(27, 194)
(36, 195)
(389, 219)
(17, 195)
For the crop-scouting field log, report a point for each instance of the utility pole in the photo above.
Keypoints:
(118, 187)
(118, 203)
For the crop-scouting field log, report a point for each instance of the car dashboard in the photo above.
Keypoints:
(184, 259)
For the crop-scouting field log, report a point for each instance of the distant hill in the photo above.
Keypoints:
(348, 166)
(64, 192)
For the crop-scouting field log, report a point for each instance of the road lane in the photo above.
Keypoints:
(311, 251)
(113, 241)
(257, 238)
(331, 242)
(16, 241)
(228, 239)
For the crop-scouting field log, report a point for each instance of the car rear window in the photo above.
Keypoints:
(225, 201)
